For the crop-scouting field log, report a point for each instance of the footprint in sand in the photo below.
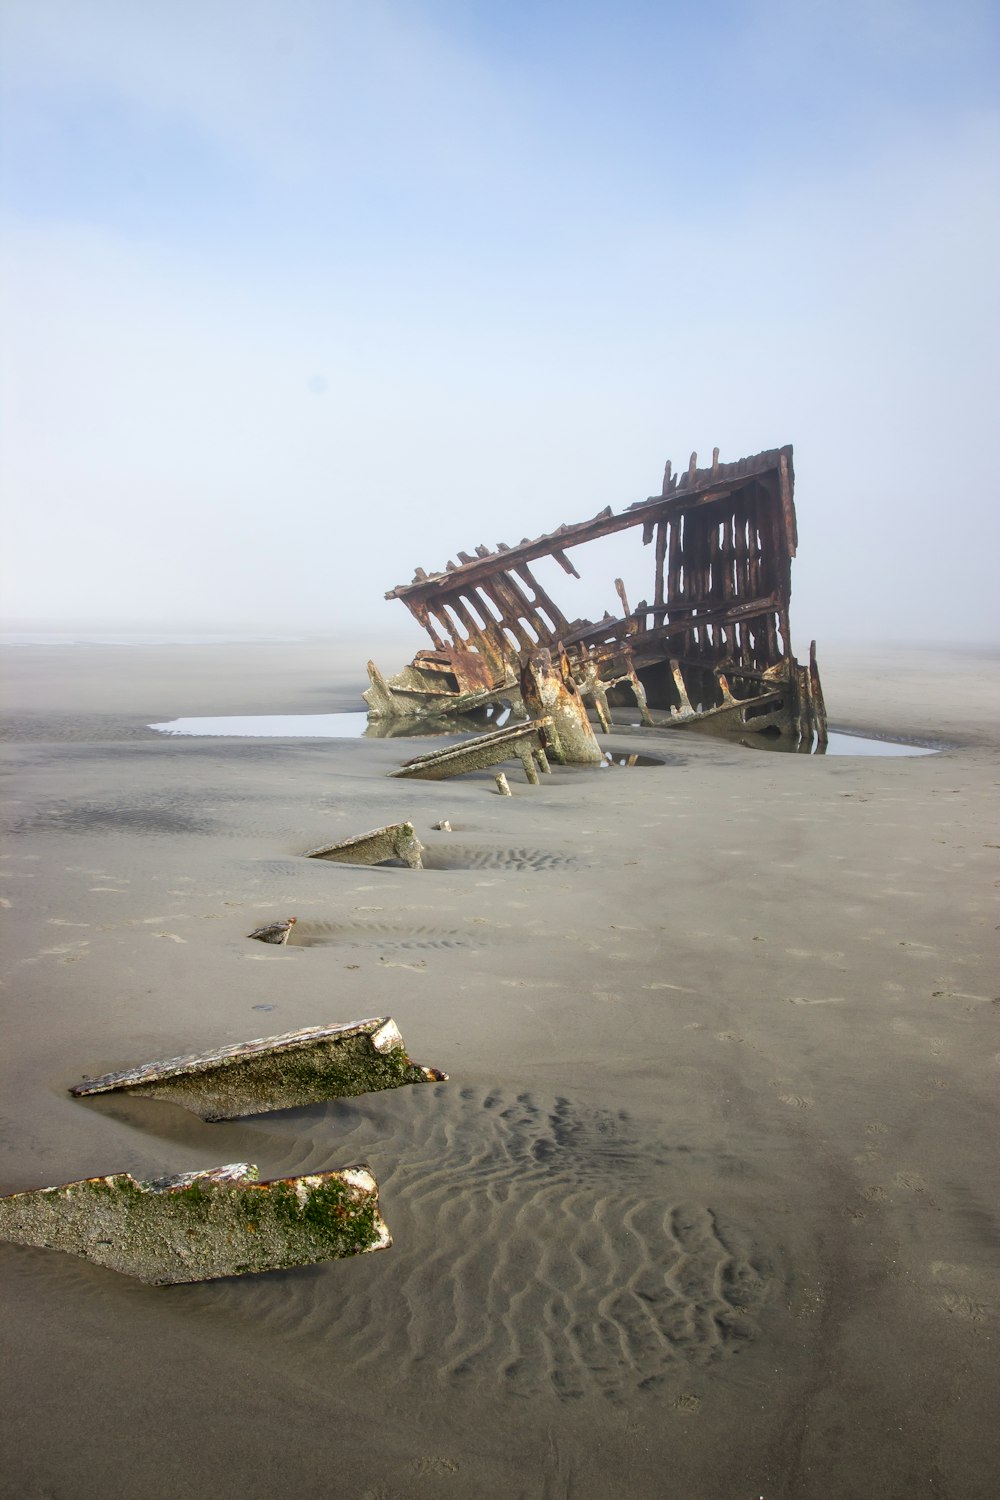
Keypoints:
(687, 1403)
(911, 1181)
(436, 1468)
(827, 956)
(965, 1308)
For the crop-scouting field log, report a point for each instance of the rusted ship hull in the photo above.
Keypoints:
(712, 650)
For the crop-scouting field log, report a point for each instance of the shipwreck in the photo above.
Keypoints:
(710, 649)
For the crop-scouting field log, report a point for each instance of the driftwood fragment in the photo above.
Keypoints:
(202, 1225)
(274, 932)
(275, 1072)
(516, 742)
(377, 847)
(503, 786)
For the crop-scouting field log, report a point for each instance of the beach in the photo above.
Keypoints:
(707, 1208)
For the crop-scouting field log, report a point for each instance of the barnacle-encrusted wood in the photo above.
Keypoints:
(276, 1072)
(712, 647)
(202, 1225)
(377, 847)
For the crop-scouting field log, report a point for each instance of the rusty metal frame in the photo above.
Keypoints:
(712, 645)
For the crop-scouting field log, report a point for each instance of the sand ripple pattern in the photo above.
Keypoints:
(470, 857)
(166, 814)
(380, 936)
(540, 1246)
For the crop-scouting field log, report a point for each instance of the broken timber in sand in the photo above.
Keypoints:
(396, 841)
(523, 742)
(274, 932)
(275, 1072)
(712, 649)
(202, 1225)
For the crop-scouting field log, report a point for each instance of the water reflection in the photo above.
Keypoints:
(839, 743)
(341, 726)
(355, 725)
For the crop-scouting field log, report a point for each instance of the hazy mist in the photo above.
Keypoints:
(299, 296)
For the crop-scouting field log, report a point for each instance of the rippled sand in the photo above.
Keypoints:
(707, 1208)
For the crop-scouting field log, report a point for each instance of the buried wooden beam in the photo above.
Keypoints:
(202, 1225)
(514, 742)
(275, 1072)
(377, 847)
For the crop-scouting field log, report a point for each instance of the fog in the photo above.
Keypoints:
(300, 296)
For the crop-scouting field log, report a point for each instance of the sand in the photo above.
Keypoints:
(708, 1206)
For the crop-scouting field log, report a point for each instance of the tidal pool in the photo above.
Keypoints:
(341, 726)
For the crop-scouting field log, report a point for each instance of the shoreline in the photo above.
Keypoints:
(708, 1193)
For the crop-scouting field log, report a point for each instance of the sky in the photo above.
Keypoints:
(299, 295)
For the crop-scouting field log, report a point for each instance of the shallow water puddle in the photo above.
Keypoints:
(339, 726)
(354, 725)
(840, 743)
(628, 758)
(272, 726)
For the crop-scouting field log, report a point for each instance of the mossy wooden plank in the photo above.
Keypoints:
(202, 1225)
(277, 1072)
(396, 841)
(515, 742)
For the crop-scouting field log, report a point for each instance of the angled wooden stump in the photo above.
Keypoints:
(202, 1225)
(276, 1072)
(394, 841)
(274, 932)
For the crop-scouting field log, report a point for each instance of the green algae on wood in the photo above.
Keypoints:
(277, 1072)
(202, 1225)
(396, 841)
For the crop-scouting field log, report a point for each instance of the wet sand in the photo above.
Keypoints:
(708, 1206)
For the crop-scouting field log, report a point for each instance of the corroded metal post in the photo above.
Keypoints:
(549, 691)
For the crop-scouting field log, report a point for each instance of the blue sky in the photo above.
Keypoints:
(300, 295)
